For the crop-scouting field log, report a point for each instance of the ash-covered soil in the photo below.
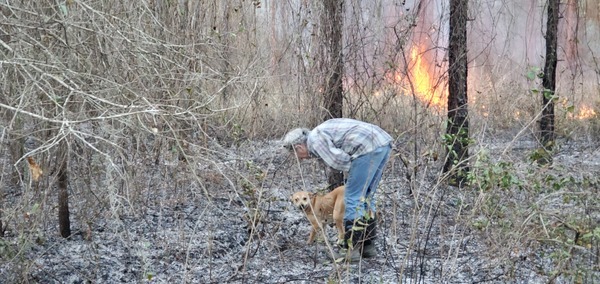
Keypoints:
(229, 220)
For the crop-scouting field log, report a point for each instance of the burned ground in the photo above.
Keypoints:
(230, 221)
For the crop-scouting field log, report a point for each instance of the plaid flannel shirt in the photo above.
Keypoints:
(338, 141)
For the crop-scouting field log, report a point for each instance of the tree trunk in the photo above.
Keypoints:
(334, 65)
(332, 26)
(63, 192)
(549, 81)
(457, 132)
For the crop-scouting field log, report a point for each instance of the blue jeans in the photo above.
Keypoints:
(363, 179)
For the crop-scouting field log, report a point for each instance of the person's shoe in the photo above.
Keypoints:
(351, 247)
(369, 250)
(346, 254)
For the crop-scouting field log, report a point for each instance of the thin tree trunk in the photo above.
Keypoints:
(333, 68)
(549, 80)
(458, 123)
(63, 192)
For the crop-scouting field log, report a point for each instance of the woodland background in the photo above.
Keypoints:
(157, 122)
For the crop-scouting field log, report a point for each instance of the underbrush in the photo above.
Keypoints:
(545, 215)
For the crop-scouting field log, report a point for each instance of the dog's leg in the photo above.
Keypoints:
(339, 224)
(313, 232)
(311, 237)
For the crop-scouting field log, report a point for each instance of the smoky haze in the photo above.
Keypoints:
(505, 42)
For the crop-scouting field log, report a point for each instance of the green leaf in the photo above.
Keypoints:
(534, 72)
(540, 74)
(63, 9)
(531, 74)
(548, 94)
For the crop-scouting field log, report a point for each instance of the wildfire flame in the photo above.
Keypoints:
(585, 112)
(431, 90)
(425, 87)
(424, 84)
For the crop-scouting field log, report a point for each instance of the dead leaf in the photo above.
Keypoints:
(35, 169)
(88, 233)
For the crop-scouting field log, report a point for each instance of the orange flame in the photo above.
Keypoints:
(426, 89)
(425, 85)
(585, 112)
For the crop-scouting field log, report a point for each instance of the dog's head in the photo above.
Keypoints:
(301, 199)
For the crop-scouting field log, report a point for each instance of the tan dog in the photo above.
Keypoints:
(322, 209)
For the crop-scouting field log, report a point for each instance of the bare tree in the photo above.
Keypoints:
(549, 81)
(64, 220)
(333, 67)
(457, 132)
(333, 58)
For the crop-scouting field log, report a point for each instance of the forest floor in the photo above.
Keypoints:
(239, 226)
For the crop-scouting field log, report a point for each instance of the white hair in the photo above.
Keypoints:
(295, 137)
